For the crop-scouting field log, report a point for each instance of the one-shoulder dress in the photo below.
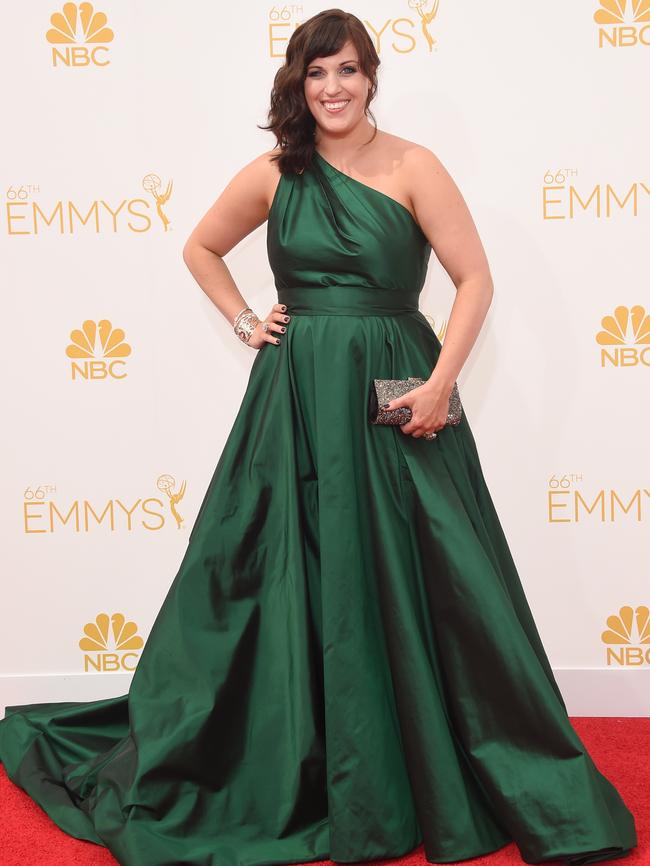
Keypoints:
(345, 666)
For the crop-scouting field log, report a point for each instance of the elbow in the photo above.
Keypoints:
(489, 285)
(187, 252)
(194, 252)
(192, 255)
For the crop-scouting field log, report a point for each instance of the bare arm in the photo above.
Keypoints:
(446, 221)
(240, 209)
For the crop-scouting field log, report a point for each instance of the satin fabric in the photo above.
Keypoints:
(345, 664)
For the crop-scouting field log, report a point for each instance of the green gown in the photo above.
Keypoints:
(345, 665)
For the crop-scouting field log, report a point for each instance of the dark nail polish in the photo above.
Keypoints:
(277, 341)
(385, 406)
(286, 318)
(283, 309)
(283, 330)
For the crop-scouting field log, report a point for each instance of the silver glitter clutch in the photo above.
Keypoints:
(384, 390)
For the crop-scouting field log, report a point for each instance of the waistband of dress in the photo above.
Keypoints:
(348, 300)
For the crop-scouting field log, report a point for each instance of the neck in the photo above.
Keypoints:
(345, 147)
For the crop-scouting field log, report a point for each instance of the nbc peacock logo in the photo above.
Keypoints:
(625, 338)
(110, 643)
(628, 637)
(79, 36)
(623, 23)
(98, 351)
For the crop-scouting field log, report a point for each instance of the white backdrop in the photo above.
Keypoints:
(115, 144)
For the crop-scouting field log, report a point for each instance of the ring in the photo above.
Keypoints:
(266, 326)
(429, 435)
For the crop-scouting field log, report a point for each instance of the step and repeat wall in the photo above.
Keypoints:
(124, 121)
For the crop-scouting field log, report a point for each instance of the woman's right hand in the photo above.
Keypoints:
(278, 320)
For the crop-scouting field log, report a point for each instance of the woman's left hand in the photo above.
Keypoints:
(429, 404)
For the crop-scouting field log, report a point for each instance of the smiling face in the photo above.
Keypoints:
(336, 90)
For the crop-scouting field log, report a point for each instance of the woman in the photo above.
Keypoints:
(345, 665)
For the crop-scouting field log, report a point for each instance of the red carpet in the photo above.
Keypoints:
(620, 749)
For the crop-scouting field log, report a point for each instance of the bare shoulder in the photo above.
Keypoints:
(270, 160)
(402, 165)
(258, 177)
(261, 175)
(413, 161)
(242, 206)
(400, 151)
(267, 161)
(442, 213)
(424, 172)
(425, 180)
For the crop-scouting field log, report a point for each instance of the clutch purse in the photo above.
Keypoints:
(384, 390)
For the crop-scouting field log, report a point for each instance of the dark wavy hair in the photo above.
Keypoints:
(289, 117)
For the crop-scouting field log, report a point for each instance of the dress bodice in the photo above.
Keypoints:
(328, 229)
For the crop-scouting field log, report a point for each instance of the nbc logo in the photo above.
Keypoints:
(625, 338)
(97, 351)
(79, 24)
(624, 646)
(109, 643)
(624, 23)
